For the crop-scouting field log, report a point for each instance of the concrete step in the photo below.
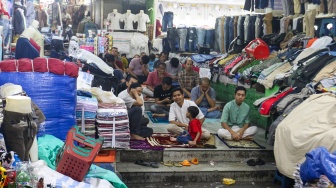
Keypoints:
(203, 155)
(203, 172)
(267, 184)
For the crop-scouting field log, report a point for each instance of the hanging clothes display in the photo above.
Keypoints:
(56, 14)
(42, 17)
(128, 19)
(19, 20)
(142, 20)
(30, 13)
(114, 19)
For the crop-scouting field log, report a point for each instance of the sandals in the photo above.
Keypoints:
(185, 163)
(180, 164)
(194, 161)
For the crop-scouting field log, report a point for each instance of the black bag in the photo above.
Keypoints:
(234, 47)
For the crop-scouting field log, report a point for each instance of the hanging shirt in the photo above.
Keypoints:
(128, 19)
(114, 18)
(142, 20)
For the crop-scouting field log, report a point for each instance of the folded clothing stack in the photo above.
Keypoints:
(86, 123)
(113, 125)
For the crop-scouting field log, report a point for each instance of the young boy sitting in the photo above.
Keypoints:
(194, 129)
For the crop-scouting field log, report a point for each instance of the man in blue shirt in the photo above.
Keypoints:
(205, 98)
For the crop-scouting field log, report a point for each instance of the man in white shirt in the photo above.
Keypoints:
(134, 102)
(177, 114)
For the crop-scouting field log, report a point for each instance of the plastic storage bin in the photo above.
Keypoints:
(74, 160)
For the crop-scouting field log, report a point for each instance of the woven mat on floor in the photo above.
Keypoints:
(247, 144)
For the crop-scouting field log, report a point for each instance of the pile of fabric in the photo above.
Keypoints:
(113, 125)
(86, 109)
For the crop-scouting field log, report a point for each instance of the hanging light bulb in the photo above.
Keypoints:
(175, 5)
(217, 7)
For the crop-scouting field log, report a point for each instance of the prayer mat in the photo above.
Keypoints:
(163, 140)
(157, 119)
(247, 144)
(144, 145)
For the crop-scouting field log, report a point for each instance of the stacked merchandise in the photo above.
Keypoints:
(86, 113)
(99, 45)
(108, 44)
(113, 125)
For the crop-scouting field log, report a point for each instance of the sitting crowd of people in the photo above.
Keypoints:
(180, 96)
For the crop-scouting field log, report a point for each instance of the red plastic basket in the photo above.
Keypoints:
(74, 161)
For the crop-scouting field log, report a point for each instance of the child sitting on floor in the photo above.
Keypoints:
(194, 128)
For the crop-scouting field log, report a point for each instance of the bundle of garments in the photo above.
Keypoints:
(285, 66)
(86, 108)
(309, 125)
(113, 125)
(317, 170)
(52, 65)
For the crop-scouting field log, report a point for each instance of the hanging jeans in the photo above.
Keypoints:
(235, 25)
(221, 41)
(268, 23)
(137, 122)
(209, 38)
(172, 35)
(200, 36)
(272, 4)
(331, 6)
(217, 35)
(240, 29)
(226, 33)
(246, 28)
(165, 45)
(261, 4)
(309, 18)
(167, 20)
(182, 34)
(19, 131)
(192, 38)
(6, 31)
(252, 27)
(231, 32)
(297, 6)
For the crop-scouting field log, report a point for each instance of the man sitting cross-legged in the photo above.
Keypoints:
(163, 100)
(154, 79)
(235, 118)
(188, 78)
(177, 115)
(205, 98)
(134, 102)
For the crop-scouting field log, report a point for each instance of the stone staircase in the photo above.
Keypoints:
(214, 164)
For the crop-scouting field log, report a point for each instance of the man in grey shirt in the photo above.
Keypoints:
(205, 98)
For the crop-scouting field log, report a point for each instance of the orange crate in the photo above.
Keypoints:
(105, 156)
(73, 160)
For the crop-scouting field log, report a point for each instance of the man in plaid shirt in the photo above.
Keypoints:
(188, 78)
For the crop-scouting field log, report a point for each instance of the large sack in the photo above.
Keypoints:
(310, 125)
